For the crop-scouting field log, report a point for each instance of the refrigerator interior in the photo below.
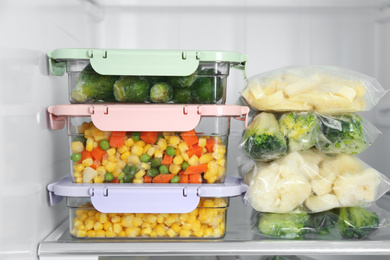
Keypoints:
(347, 33)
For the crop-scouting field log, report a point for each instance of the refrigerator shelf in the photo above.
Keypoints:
(239, 241)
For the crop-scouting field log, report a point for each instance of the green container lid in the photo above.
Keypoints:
(142, 62)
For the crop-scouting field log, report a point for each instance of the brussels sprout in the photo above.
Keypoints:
(207, 90)
(131, 89)
(94, 87)
(161, 93)
(182, 96)
(182, 82)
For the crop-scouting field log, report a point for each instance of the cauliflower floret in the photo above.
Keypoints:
(322, 203)
(279, 188)
(357, 188)
(89, 174)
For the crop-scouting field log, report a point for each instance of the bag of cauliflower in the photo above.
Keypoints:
(325, 89)
(336, 224)
(311, 181)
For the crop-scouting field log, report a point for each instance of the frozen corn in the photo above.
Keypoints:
(145, 157)
(206, 221)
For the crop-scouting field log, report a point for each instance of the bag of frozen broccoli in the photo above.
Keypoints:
(325, 89)
(312, 181)
(336, 224)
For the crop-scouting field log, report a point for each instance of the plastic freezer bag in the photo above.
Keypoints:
(325, 89)
(336, 224)
(272, 135)
(311, 181)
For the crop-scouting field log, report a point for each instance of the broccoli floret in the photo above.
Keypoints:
(93, 87)
(207, 90)
(161, 93)
(357, 222)
(131, 89)
(182, 82)
(182, 96)
(301, 130)
(288, 226)
(263, 139)
(342, 134)
(325, 225)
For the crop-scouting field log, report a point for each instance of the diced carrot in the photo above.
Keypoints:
(163, 178)
(97, 153)
(115, 180)
(147, 179)
(183, 178)
(167, 160)
(149, 137)
(210, 144)
(195, 178)
(117, 139)
(96, 163)
(85, 154)
(196, 169)
(190, 137)
(194, 149)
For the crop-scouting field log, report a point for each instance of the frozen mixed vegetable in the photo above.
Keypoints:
(206, 221)
(161, 93)
(91, 86)
(311, 181)
(131, 89)
(207, 90)
(336, 224)
(144, 157)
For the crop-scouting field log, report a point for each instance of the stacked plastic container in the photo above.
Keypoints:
(148, 133)
(306, 182)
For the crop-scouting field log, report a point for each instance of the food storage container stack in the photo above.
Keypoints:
(306, 181)
(148, 137)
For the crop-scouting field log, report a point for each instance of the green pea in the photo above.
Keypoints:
(136, 136)
(171, 151)
(80, 138)
(163, 169)
(104, 144)
(145, 157)
(155, 162)
(152, 172)
(175, 179)
(75, 157)
(184, 165)
(108, 177)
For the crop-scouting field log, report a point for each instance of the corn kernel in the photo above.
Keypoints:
(115, 219)
(202, 142)
(162, 144)
(160, 218)
(140, 174)
(221, 171)
(77, 147)
(153, 234)
(83, 127)
(171, 233)
(218, 156)
(104, 161)
(78, 175)
(175, 227)
(81, 233)
(186, 226)
(140, 143)
(88, 133)
(120, 164)
(151, 151)
(79, 167)
(107, 226)
(122, 233)
(178, 159)
(221, 162)
(193, 160)
(183, 147)
(103, 218)
(79, 180)
(217, 232)
(158, 153)
(185, 233)
(211, 179)
(208, 203)
(208, 232)
(133, 159)
(101, 170)
(199, 233)
(125, 155)
(146, 231)
(89, 144)
(110, 167)
(98, 179)
(112, 158)
(196, 226)
(111, 151)
(77, 223)
(110, 233)
(183, 217)
(91, 233)
(147, 147)
(137, 222)
(185, 156)
(137, 150)
(206, 158)
(160, 230)
(204, 150)
(129, 142)
(127, 221)
(174, 140)
(98, 226)
(100, 233)
(122, 149)
(220, 148)
(117, 227)
(195, 212)
(191, 219)
(117, 171)
(131, 232)
(140, 215)
(138, 180)
(174, 168)
(87, 162)
(145, 166)
(82, 217)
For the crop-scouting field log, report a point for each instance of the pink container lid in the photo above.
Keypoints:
(143, 117)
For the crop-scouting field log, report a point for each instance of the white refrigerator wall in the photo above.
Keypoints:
(354, 34)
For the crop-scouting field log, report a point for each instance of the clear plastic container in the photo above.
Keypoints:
(208, 220)
(120, 147)
(151, 76)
